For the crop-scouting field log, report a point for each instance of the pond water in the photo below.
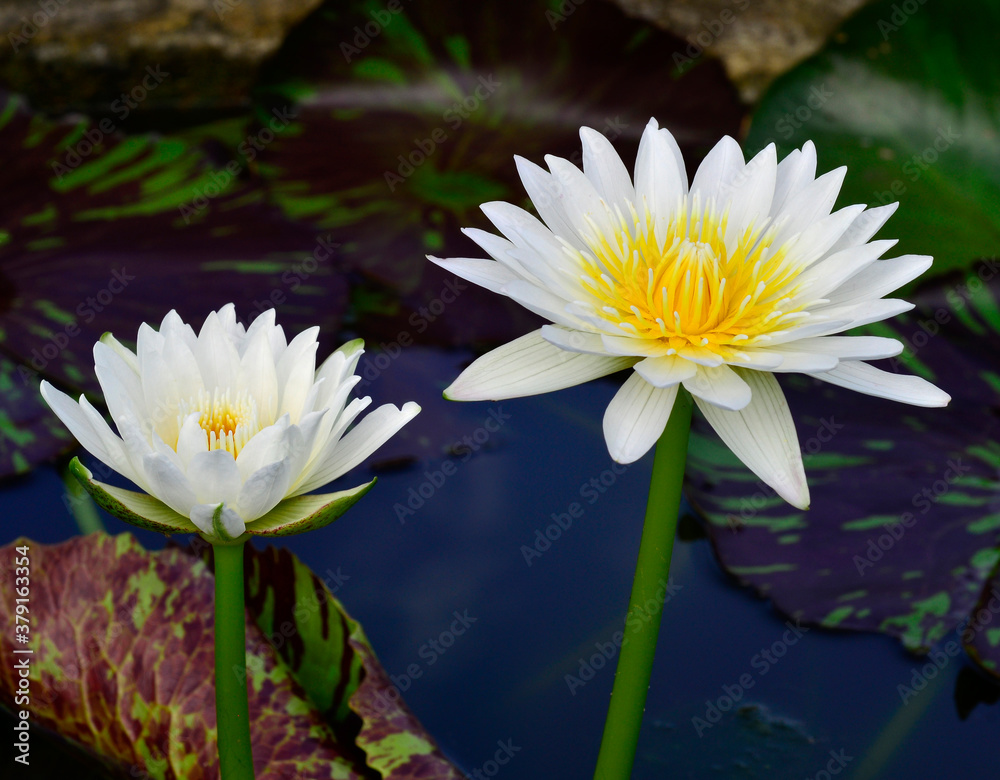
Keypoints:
(482, 643)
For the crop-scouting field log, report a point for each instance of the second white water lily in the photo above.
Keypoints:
(711, 287)
(226, 429)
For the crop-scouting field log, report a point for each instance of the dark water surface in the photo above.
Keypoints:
(482, 643)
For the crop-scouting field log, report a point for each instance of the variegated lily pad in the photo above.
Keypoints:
(903, 535)
(122, 666)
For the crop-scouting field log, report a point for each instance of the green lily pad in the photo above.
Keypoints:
(903, 533)
(905, 99)
(122, 666)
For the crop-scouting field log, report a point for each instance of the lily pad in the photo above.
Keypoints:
(122, 666)
(409, 117)
(103, 232)
(902, 535)
(904, 98)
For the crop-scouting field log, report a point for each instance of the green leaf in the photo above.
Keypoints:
(139, 509)
(306, 513)
(908, 103)
(122, 666)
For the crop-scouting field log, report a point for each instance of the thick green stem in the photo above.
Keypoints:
(231, 707)
(635, 663)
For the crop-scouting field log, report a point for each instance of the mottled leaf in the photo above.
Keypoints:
(122, 662)
(903, 530)
(904, 97)
(409, 118)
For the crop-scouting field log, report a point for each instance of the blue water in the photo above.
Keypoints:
(831, 698)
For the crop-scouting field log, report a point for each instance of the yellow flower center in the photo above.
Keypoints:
(229, 423)
(687, 288)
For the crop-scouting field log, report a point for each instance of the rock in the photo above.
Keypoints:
(83, 55)
(757, 40)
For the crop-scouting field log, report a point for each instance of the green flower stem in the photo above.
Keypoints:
(231, 706)
(635, 662)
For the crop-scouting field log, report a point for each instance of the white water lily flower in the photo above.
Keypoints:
(712, 286)
(227, 429)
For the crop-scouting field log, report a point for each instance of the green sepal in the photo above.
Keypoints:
(306, 513)
(139, 509)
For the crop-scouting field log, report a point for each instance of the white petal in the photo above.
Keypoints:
(528, 366)
(815, 240)
(203, 516)
(96, 436)
(717, 172)
(793, 360)
(585, 209)
(168, 483)
(762, 435)
(660, 178)
(123, 352)
(548, 196)
(720, 386)
(606, 171)
(750, 195)
(864, 227)
(865, 312)
(828, 274)
(851, 347)
(542, 302)
(636, 417)
(794, 173)
(362, 440)
(701, 356)
(880, 278)
(574, 340)
(296, 372)
(813, 203)
(264, 490)
(214, 477)
(268, 446)
(666, 370)
(216, 353)
(121, 385)
(486, 273)
(258, 374)
(192, 439)
(500, 249)
(869, 380)
(634, 346)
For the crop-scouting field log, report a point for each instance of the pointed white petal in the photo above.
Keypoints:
(869, 380)
(851, 347)
(811, 204)
(715, 176)
(864, 227)
(720, 386)
(666, 370)
(636, 417)
(542, 302)
(528, 366)
(762, 435)
(822, 278)
(214, 477)
(168, 483)
(660, 180)
(880, 278)
(296, 371)
(796, 171)
(634, 346)
(574, 340)
(265, 488)
(192, 439)
(548, 196)
(258, 375)
(795, 361)
(606, 171)
(750, 194)
(360, 442)
(216, 353)
(486, 273)
(583, 205)
(95, 435)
